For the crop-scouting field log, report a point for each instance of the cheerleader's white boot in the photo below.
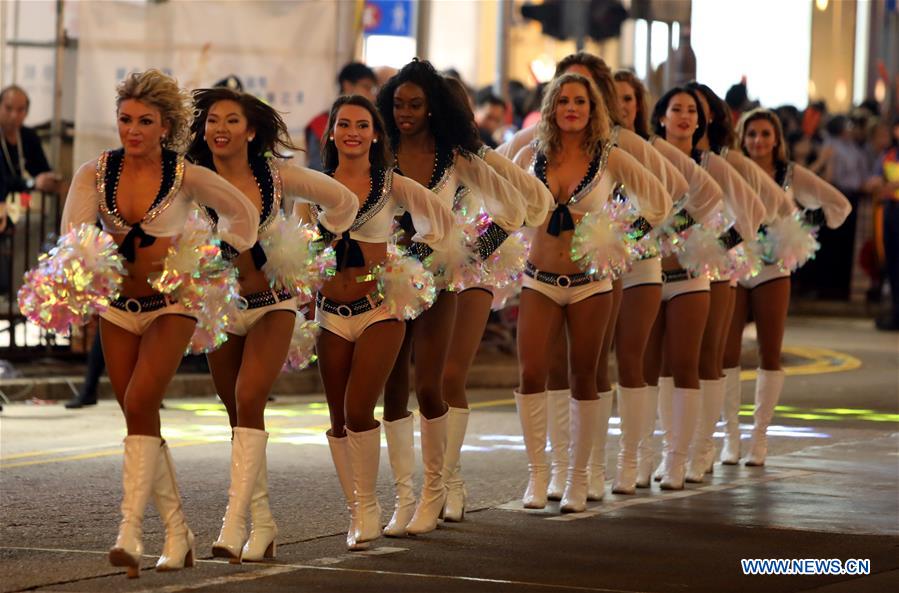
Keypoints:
(456, 425)
(365, 456)
(401, 451)
(632, 403)
(433, 493)
(559, 440)
(684, 414)
(179, 550)
(584, 415)
(666, 390)
(532, 414)
(340, 455)
(730, 452)
(645, 451)
(263, 530)
(596, 485)
(702, 449)
(768, 386)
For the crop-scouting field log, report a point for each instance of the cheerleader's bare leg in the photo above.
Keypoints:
(733, 346)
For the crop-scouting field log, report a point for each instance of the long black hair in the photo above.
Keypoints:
(270, 138)
(720, 128)
(661, 106)
(379, 155)
(449, 123)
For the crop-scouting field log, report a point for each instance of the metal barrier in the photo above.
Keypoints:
(20, 245)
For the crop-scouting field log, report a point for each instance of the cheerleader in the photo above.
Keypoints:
(435, 146)
(767, 295)
(573, 159)
(360, 336)
(674, 353)
(146, 333)
(748, 210)
(472, 310)
(232, 134)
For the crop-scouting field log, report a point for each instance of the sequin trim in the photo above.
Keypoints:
(107, 186)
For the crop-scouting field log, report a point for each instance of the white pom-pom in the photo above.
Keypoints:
(746, 260)
(702, 254)
(506, 264)
(302, 345)
(789, 243)
(287, 251)
(455, 267)
(600, 244)
(407, 287)
(502, 296)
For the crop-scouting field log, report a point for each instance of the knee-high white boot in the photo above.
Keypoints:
(401, 451)
(263, 530)
(584, 416)
(559, 437)
(684, 413)
(666, 389)
(179, 550)
(596, 485)
(365, 455)
(138, 473)
(768, 386)
(340, 455)
(532, 414)
(645, 450)
(730, 453)
(456, 425)
(247, 454)
(632, 404)
(433, 492)
(702, 449)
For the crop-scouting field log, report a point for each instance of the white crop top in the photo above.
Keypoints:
(184, 185)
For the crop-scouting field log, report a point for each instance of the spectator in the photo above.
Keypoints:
(353, 79)
(489, 116)
(889, 193)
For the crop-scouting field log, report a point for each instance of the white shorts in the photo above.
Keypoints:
(570, 295)
(137, 321)
(247, 318)
(643, 271)
(675, 288)
(349, 326)
(768, 273)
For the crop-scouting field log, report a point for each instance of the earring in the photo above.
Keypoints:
(375, 141)
(429, 114)
(252, 138)
(331, 138)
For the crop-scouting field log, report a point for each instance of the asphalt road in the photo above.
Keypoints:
(830, 490)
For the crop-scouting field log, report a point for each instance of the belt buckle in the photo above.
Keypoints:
(242, 303)
(344, 311)
(133, 305)
(563, 281)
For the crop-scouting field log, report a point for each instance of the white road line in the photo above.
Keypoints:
(625, 502)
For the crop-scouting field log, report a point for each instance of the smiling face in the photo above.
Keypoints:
(681, 118)
(760, 139)
(353, 131)
(227, 130)
(410, 109)
(140, 128)
(572, 108)
(627, 103)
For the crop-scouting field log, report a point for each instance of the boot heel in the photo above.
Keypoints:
(120, 558)
(270, 551)
(189, 559)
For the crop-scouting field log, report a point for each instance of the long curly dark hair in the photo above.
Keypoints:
(449, 124)
(661, 106)
(271, 136)
(379, 155)
(720, 127)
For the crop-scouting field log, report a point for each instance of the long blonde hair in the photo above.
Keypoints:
(549, 136)
(176, 106)
(780, 148)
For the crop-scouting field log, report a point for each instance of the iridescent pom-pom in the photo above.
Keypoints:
(506, 264)
(216, 304)
(600, 244)
(301, 353)
(76, 279)
(789, 243)
(502, 295)
(407, 287)
(702, 254)
(746, 260)
(456, 267)
(289, 255)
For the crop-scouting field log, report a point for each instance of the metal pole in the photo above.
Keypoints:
(423, 29)
(574, 16)
(15, 36)
(56, 122)
(501, 84)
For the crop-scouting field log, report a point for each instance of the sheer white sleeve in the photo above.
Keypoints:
(521, 139)
(503, 202)
(647, 192)
(772, 195)
(740, 200)
(654, 161)
(703, 193)
(433, 220)
(813, 192)
(238, 217)
(538, 199)
(339, 205)
(82, 202)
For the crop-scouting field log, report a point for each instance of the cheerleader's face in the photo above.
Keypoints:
(627, 103)
(760, 139)
(681, 118)
(410, 109)
(353, 131)
(141, 130)
(573, 108)
(227, 130)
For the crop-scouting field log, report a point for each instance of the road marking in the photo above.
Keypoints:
(627, 501)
